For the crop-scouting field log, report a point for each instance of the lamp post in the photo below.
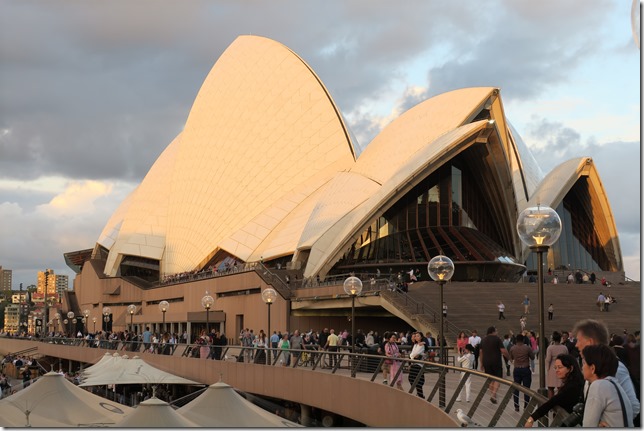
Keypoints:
(163, 306)
(353, 287)
(131, 309)
(70, 316)
(106, 316)
(45, 304)
(539, 227)
(94, 320)
(57, 317)
(65, 322)
(206, 302)
(268, 296)
(441, 269)
(74, 326)
(86, 313)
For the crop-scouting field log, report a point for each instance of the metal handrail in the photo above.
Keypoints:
(358, 365)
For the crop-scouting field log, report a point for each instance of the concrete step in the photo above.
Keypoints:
(474, 305)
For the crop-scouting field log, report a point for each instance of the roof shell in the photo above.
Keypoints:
(261, 127)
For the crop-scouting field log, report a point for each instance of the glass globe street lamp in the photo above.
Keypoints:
(86, 313)
(163, 306)
(65, 322)
(70, 316)
(539, 227)
(206, 302)
(106, 316)
(94, 320)
(353, 287)
(268, 296)
(441, 270)
(74, 326)
(131, 309)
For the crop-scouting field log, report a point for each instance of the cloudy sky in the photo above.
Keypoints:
(91, 92)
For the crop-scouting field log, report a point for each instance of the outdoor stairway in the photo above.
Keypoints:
(473, 305)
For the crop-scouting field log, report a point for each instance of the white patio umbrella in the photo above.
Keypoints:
(221, 406)
(123, 370)
(155, 413)
(53, 401)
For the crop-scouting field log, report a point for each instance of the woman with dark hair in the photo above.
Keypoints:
(461, 342)
(607, 405)
(569, 394)
(555, 349)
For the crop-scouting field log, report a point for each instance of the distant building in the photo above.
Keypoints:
(19, 298)
(62, 284)
(46, 280)
(6, 278)
(11, 318)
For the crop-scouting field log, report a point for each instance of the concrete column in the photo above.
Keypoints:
(305, 415)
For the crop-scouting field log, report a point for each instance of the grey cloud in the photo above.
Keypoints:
(622, 184)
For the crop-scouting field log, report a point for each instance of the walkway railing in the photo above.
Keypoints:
(444, 385)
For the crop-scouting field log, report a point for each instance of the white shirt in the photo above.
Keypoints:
(466, 361)
(417, 350)
(474, 341)
(501, 308)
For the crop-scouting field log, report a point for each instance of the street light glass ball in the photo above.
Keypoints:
(106, 311)
(131, 308)
(70, 315)
(352, 286)
(94, 319)
(65, 321)
(163, 306)
(207, 301)
(440, 268)
(539, 225)
(86, 313)
(269, 295)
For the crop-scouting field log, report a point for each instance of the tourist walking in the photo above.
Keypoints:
(392, 351)
(601, 300)
(520, 355)
(466, 360)
(417, 352)
(526, 304)
(501, 307)
(551, 311)
(491, 352)
(284, 345)
(552, 352)
(475, 341)
(461, 342)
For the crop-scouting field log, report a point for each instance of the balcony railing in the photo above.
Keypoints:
(444, 385)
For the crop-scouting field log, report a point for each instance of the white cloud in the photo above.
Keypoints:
(77, 199)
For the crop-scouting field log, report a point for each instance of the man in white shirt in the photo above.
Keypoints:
(591, 332)
(475, 341)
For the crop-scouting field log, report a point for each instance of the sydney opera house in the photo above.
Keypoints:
(267, 177)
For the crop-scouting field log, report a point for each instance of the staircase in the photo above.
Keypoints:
(473, 305)
(274, 280)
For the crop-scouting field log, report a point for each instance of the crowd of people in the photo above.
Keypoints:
(585, 367)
